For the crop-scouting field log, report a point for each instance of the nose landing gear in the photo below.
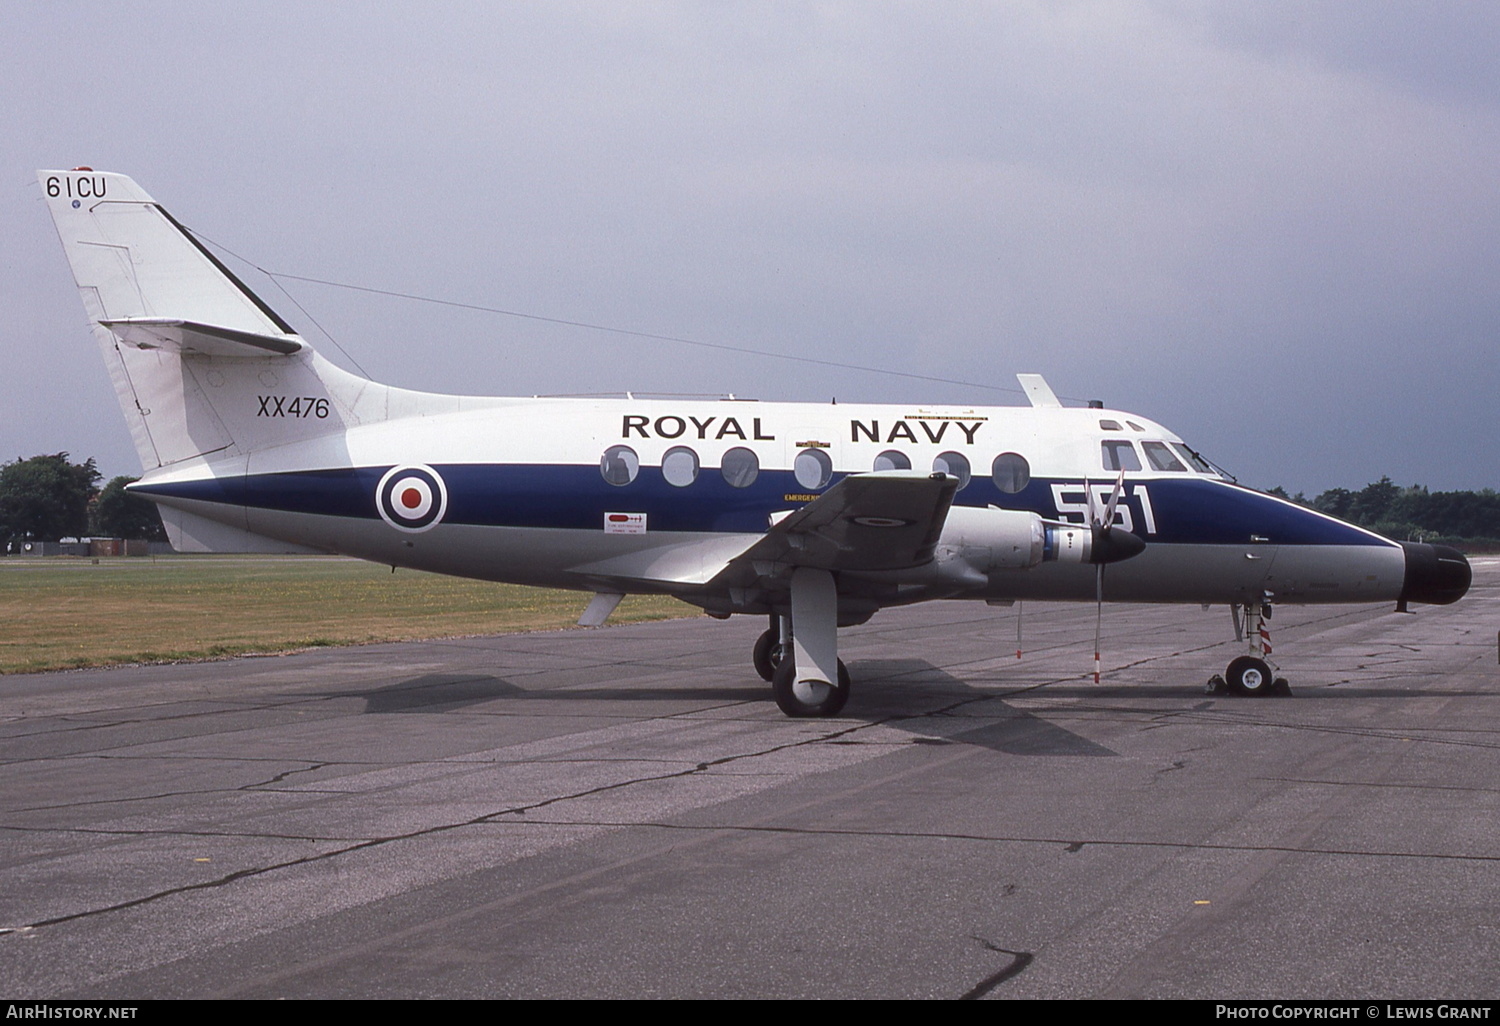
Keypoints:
(1254, 673)
(1248, 675)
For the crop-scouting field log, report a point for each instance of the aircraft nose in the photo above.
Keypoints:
(1435, 574)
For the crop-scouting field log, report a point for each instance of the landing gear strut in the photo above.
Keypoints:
(773, 647)
(807, 676)
(1254, 673)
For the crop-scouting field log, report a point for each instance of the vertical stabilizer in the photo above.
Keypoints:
(198, 360)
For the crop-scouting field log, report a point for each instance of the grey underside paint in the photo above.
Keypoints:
(698, 567)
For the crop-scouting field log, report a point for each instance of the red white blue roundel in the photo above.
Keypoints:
(411, 498)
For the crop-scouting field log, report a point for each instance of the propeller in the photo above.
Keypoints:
(1108, 544)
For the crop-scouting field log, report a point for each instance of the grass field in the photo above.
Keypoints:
(60, 613)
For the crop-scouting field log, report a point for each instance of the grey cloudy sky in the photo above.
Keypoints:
(1274, 227)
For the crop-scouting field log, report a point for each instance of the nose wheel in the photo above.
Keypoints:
(1252, 674)
(1248, 675)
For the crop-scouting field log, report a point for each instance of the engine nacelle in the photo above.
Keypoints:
(990, 539)
(993, 539)
(1070, 543)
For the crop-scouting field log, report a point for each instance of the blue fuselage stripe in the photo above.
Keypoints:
(1183, 511)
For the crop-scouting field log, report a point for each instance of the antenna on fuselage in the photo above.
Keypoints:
(1038, 392)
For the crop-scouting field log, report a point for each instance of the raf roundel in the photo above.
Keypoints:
(411, 498)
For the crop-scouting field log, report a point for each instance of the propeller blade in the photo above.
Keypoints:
(1114, 500)
(1098, 614)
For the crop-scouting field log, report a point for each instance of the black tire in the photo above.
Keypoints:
(767, 655)
(1248, 675)
(826, 701)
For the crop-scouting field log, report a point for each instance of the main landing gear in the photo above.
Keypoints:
(773, 647)
(807, 676)
(803, 698)
(1253, 673)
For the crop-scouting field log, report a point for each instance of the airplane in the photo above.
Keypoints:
(815, 516)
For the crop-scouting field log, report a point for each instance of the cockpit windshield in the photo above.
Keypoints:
(1160, 457)
(1196, 461)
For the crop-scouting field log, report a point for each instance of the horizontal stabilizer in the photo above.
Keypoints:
(190, 337)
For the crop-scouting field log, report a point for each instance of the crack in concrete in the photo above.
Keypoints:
(278, 778)
(1069, 845)
(486, 819)
(1019, 960)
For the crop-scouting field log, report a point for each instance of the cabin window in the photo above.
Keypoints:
(1160, 457)
(892, 460)
(954, 465)
(1010, 472)
(1110, 425)
(619, 465)
(680, 466)
(1119, 454)
(813, 469)
(1134, 426)
(740, 467)
(1193, 460)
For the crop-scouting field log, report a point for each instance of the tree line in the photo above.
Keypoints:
(1414, 513)
(47, 498)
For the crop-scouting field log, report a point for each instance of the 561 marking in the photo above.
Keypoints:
(300, 406)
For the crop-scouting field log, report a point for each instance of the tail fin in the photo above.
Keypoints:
(198, 361)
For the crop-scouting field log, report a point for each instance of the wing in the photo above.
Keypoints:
(882, 521)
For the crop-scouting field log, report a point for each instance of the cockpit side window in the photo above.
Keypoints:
(1160, 457)
(1119, 455)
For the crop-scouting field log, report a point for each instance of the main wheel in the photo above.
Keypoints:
(769, 653)
(808, 697)
(1248, 675)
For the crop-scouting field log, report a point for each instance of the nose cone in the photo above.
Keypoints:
(1435, 574)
